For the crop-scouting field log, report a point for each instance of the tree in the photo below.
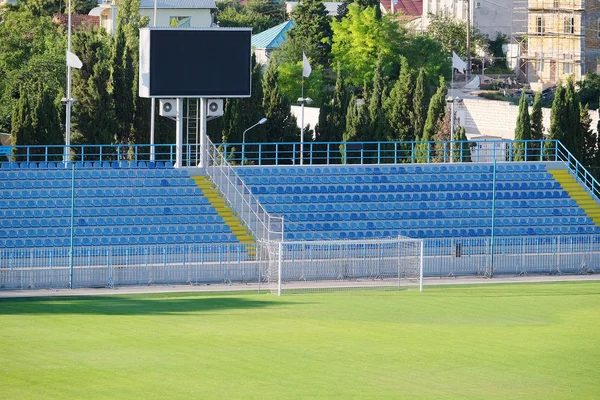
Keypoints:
(522, 130)
(377, 122)
(290, 83)
(420, 102)
(280, 125)
(558, 123)
(427, 53)
(357, 127)
(462, 151)
(311, 35)
(437, 109)
(94, 120)
(537, 127)
(573, 136)
(259, 15)
(589, 154)
(332, 116)
(360, 38)
(452, 33)
(49, 7)
(399, 105)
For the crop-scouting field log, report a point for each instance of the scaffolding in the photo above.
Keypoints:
(548, 40)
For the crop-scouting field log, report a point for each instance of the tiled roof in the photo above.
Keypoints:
(178, 4)
(77, 20)
(272, 38)
(407, 7)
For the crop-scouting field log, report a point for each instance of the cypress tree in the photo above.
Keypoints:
(522, 130)
(420, 102)
(590, 140)
(280, 125)
(399, 105)
(377, 120)
(537, 127)
(312, 33)
(572, 134)
(462, 152)
(557, 121)
(435, 114)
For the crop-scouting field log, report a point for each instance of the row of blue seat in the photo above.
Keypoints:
(164, 186)
(358, 224)
(116, 241)
(389, 169)
(62, 229)
(206, 211)
(442, 233)
(86, 164)
(105, 202)
(206, 222)
(94, 193)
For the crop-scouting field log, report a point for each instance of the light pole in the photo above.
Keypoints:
(302, 100)
(450, 100)
(262, 121)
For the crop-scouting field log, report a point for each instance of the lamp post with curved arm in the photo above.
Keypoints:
(262, 121)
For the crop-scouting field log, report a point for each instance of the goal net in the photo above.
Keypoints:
(341, 265)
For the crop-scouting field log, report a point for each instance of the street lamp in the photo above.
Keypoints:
(450, 100)
(262, 121)
(302, 100)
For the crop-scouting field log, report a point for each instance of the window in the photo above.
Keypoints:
(569, 25)
(180, 22)
(539, 24)
(556, 3)
(568, 68)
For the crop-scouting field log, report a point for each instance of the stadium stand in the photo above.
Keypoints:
(420, 200)
(113, 204)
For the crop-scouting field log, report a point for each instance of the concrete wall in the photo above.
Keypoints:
(199, 18)
(498, 119)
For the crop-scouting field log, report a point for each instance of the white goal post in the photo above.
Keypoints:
(299, 266)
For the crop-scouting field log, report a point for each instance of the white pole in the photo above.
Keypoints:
(203, 141)
(179, 134)
(68, 113)
(421, 269)
(452, 131)
(279, 269)
(302, 123)
(152, 106)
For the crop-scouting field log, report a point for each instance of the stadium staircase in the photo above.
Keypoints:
(578, 193)
(230, 218)
(420, 200)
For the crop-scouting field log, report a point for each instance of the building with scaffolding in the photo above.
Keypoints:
(554, 39)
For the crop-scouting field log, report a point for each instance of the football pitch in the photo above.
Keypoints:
(492, 341)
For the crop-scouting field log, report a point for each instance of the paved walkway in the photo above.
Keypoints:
(264, 288)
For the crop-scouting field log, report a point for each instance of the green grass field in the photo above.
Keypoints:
(501, 341)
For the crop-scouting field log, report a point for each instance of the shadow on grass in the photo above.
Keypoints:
(125, 305)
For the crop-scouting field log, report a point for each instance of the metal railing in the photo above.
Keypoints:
(390, 152)
(578, 170)
(58, 267)
(262, 224)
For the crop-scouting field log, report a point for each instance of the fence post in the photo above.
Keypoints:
(279, 261)
(72, 225)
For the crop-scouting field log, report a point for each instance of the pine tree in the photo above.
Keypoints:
(280, 125)
(462, 152)
(590, 140)
(420, 102)
(399, 106)
(21, 123)
(557, 122)
(424, 151)
(357, 125)
(93, 116)
(312, 34)
(377, 121)
(537, 127)
(522, 130)
(572, 134)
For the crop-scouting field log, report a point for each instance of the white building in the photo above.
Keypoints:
(488, 16)
(169, 13)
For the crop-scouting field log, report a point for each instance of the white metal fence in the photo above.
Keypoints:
(320, 264)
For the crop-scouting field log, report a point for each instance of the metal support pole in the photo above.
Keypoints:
(452, 131)
(203, 141)
(493, 221)
(421, 268)
(69, 103)
(279, 268)
(72, 225)
(179, 134)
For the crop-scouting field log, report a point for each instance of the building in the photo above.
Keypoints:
(77, 20)
(562, 39)
(489, 17)
(265, 42)
(169, 13)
